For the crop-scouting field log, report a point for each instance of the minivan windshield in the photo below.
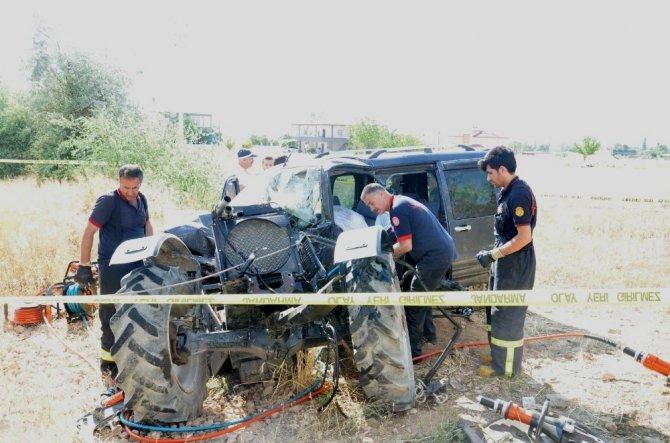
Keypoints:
(296, 189)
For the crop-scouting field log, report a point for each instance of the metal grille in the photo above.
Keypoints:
(308, 260)
(261, 237)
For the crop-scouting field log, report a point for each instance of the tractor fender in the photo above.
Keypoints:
(353, 244)
(165, 249)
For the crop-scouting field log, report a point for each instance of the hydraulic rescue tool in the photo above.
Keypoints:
(557, 429)
(650, 361)
(103, 416)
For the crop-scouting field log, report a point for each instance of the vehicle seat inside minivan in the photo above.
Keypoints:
(369, 216)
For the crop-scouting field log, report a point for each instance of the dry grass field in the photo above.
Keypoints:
(581, 242)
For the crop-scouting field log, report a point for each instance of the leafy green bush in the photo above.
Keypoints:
(369, 134)
(16, 133)
(78, 109)
(154, 145)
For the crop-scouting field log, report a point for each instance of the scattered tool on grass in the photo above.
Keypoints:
(540, 425)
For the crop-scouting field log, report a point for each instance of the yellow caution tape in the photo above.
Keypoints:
(626, 199)
(629, 199)
(50, 162)
(635, 296)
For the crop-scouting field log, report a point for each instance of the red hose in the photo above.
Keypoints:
(323, 389)
(319, 391)
(28, 316)
(230, 429)
(33, 315)
(474, 344)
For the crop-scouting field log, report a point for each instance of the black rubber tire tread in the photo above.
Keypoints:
(155, 389)
(379, 337)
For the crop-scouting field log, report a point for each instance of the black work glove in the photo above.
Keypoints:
(485, 258)
(84, 276)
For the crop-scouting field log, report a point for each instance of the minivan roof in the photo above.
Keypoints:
(391, 159)
(384, 158)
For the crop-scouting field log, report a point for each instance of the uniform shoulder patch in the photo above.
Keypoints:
(518, 211)
(395, 221)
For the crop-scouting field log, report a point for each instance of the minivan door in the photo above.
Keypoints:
(471, 206)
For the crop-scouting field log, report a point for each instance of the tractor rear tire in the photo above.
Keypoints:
(155, 388)
(379, 337)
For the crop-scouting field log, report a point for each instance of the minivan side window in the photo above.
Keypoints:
(471, 195)
(344, 188)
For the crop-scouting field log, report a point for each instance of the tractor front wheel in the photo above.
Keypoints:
(159, 385)
(379, 336)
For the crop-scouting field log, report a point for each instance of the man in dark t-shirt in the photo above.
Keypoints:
(512, 259)
(420, 234)
(120, 215)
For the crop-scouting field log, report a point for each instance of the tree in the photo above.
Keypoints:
(588, 147)
(74, 85)
(623, 150)
(16, 132)
(259, 140)
(77, 109)
(230, 143)
(192, 133)
(286, 141)
(369, 134)
(528, 147)
(66, 91)
(210, 136)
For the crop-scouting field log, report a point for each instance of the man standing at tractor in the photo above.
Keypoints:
(119, 215)
(512, 259)
(245, 160)
(420, 234)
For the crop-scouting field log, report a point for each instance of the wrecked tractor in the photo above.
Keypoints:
(273, 239)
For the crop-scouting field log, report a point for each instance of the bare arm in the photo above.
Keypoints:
(148, 228)
(522, 238)
(87, 243)
(401, 248)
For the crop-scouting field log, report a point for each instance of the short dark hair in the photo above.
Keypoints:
(131, 171)
(268, 157)
(280, 160)
(497, 157)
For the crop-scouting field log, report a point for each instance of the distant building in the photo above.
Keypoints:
(320, 137)
(202, 121)
(209, 134)
(479, 139)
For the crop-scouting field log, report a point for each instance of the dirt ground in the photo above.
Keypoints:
(596, 385)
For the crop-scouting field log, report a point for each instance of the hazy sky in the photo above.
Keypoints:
(535, 71)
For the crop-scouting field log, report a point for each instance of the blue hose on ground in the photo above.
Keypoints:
(223, 425)
(75, 309)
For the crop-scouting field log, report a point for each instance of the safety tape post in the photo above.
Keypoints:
(555, 297)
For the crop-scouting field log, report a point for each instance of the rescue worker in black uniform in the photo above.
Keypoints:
(512, 259)
(419, 234)
(119, 215)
